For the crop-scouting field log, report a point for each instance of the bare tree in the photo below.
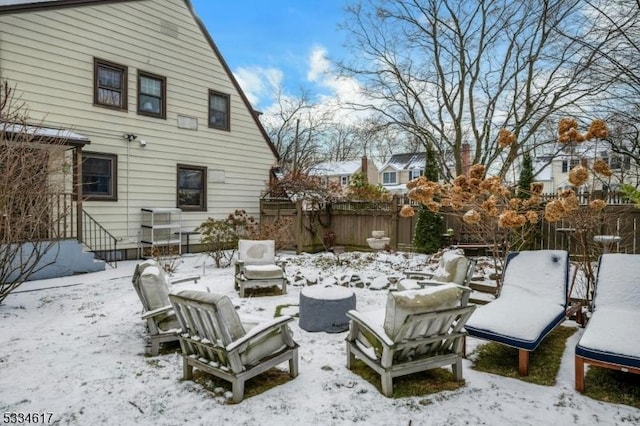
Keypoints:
(297, 128)
(453, 72)
(306, 133)
(343, 142)
(614, 41)
(31, 165)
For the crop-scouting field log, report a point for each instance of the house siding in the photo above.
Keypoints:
(49, 56)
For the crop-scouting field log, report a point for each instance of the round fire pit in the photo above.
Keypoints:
(324, 308)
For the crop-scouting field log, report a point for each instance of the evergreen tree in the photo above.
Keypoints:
(526, 177)
(524, 191)
(428, 233)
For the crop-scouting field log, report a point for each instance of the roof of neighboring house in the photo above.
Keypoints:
(406, 161)
(333, 168)
(16, 6)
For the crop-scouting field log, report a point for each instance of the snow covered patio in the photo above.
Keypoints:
(74, 347)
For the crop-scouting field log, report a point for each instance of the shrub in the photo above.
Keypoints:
(220, 237)
(428, 234)
(33, 168)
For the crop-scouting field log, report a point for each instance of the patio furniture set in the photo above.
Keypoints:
(423, 325)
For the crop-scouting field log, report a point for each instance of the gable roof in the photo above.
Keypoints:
(406, 161)
(333, 168)
(18, 6)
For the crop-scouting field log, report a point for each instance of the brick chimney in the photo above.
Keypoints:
(466, 158)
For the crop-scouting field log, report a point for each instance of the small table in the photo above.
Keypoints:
(607, 241)
(324, 308)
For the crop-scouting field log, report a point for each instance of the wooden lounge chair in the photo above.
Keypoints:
(612, 337)
(256, 266)
(153, 286)
(419, 330)
(532, 303)
(452, 268)
(214, 340)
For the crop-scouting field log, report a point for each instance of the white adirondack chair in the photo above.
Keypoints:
(419, 330)
(214, 340)
(452, 268)
(256, 266)
(153, 286)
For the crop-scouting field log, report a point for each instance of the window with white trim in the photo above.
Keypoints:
(415, 173)
(389, 178)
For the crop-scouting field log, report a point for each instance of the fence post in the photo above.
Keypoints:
(299, 227)
(395, 231)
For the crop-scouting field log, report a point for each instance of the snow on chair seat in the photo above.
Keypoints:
(153, 287)
(419, 330)
(214, 340)
(256, 266)
(532, 303)
(612, 337)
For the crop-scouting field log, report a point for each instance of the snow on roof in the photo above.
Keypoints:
(332, 168)
(406, 161)
(46, 132)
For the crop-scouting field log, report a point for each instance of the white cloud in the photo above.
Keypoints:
(258, 83)
(338, 89)
(318, 64)
(262, 86)
(320, 72)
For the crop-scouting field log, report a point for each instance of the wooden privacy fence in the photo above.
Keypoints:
(353, 221)
(350, 222)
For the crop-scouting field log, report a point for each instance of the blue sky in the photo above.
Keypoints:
(283, 40)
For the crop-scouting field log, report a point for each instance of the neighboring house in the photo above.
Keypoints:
(400, 169)
(556, 175)
(157, 117)
(341, 172)
(542, 169)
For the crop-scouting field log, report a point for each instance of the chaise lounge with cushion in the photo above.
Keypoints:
(612, 336)
(532, 303)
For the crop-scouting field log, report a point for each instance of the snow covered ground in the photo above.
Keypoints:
(74, 347)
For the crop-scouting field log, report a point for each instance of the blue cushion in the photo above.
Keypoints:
(514, 341)
(624, 360)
